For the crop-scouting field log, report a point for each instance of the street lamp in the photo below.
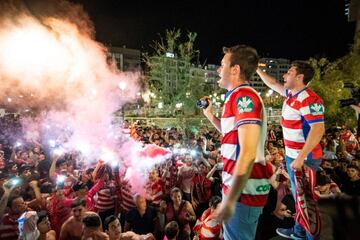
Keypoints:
(122, 86)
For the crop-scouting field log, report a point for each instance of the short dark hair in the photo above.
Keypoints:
(92, 220)
(46, 188)
(171, 229)
(11, 200)
(244, 56)
(303, 67)
(322, 180)
(354, 167)
(78, 202)
(89, 170)
(214, 201)
(60, 162)
(41, 215)
(78, 186)
(109, 220)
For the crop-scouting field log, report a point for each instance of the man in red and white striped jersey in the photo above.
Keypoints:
(303, 126)
(9, 222)
(155, 188)
(243, 126)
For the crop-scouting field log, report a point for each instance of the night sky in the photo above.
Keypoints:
(292, 29)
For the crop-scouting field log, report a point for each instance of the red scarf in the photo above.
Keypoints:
(307, 211)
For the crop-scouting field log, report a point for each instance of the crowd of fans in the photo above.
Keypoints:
(49, 196)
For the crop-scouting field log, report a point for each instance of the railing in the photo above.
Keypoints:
(273, 115)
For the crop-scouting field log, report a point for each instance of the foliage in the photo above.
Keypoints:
(328, 83)
(172, 77)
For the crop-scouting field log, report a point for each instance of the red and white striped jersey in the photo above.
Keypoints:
(156, 191)
(106, 198)
(9, 227)
(207, 228)
(244, 106)
(127, 196)
(299, 112)
(171, 178)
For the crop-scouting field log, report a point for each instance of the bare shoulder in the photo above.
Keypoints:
(129, 235)
(51, 235)
(188, 204)
(68, 222)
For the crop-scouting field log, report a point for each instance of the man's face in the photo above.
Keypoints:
(63, 167)
(59, 193)
(18, 206)
(78, 213)
(85, 177)
(225, 72)
(26, 173)
(290, 78)
(203, 169)
(41, 157)
(188, 160)
(44, 226)
(327, 164)
(114, 230)
(153, 175)
(24, 155)
(141, 203)
(352, 172)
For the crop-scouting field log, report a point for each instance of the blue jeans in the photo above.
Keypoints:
(242, 225)
(314, 164)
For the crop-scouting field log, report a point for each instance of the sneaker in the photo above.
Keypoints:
(285, 232)
(297, 236)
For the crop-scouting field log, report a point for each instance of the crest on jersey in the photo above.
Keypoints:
(316, 109)
(245, 104)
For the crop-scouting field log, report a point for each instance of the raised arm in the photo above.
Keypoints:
(52, 170)
(271, 82)
(5, 197)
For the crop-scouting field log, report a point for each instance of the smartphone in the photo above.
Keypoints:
(15, 182)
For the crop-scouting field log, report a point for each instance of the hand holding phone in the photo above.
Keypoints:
(13, 183)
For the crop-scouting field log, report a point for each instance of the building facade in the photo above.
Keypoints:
(126, 59)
